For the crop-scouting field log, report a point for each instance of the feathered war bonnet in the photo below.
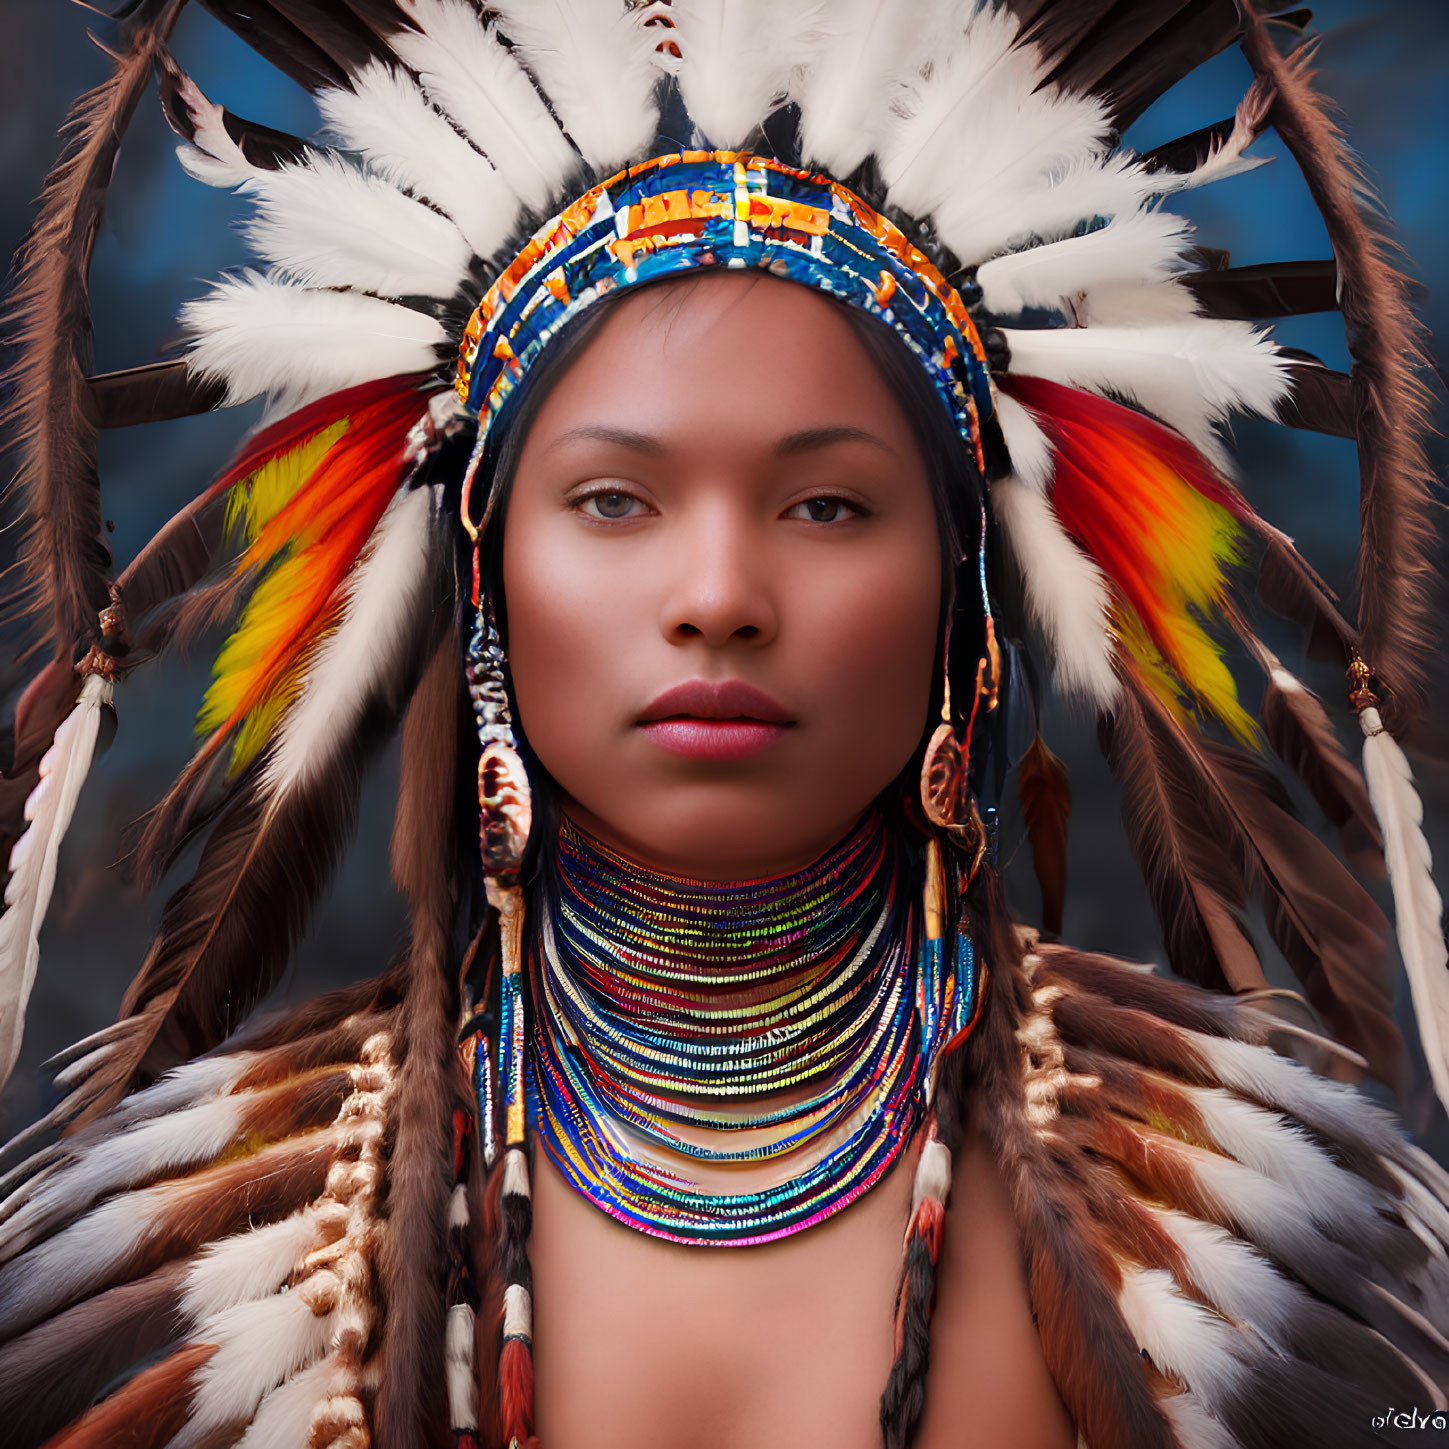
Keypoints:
(485, 170)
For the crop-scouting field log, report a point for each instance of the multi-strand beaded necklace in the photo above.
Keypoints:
(683, 1030)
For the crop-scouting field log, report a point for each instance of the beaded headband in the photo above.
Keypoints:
(691, 210)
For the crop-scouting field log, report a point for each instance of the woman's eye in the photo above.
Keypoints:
(823, 510)
(610, 505)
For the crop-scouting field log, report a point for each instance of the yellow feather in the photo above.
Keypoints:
(257, 500)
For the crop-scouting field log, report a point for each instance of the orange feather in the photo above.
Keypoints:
(1160, 522)
(308, 494)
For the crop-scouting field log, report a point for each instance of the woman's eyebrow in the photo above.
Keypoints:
(605, 433)
(810, 439)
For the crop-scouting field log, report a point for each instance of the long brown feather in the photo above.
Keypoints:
(1333, 935)
(1195, 875)
(1303, 737)
(52, 419)
(1386, 341)
(226, 936)
(1045, 793)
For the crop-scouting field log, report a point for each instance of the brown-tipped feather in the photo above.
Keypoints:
(1046, 807)
(1195, 876)
(145, 1414)
(1386, 341)
(412, 1403)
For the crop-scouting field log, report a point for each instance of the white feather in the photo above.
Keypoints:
(1032, 459)
(389, 122)
(1418, 907)
(1136, 248)
(327, 224)
(462, 1369)
(1065, 592)
(864, 50)
(1269, 1144)
(994, 154)
(365, 657)
(34, 857)
(925, 147)
(258, 1346)
(284, 1417)
(1181, 1337)
(81, 1257)
(1164, 302)
(124, 1159)
(1194, 1426)
(250, 1265)
(261, 335)
(1226, 159)
(738, 58)
(211, 155)
(594, 59)
(1236, 1279)
(1192, 376)
(978, 224)
(471, 76)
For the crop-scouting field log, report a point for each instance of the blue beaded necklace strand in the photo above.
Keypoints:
(789, 1024)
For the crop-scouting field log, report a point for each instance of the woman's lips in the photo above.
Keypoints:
(713, 739)
(716, 720)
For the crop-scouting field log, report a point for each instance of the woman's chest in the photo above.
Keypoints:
(653, 1346)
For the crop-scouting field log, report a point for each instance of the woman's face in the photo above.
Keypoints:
(722, 574)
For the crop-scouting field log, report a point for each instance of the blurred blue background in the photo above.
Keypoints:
(165, 236)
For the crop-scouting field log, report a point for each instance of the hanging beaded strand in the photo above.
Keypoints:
(504, 819)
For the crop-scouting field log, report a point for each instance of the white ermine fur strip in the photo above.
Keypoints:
(462, 1369)
(471, 76)
(140, 1154)
(284, 1417)
(864, 50)
(594, 60)
(933, 1177)
(738, 60)
(1181, 1337)
(328, 224)
(367, 656)
(261, 335)
(251, 1265)
(34, 857)
(1418, 907)
(389, 122)
(515, 1173)
(458, 1207)
(1065, 593)
(517, 1312)
(258, 1345)
(1135, 248)
(1192, 376)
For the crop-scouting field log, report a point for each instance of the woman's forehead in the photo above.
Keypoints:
(723, 352)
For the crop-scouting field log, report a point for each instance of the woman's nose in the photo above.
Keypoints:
(721, 589)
